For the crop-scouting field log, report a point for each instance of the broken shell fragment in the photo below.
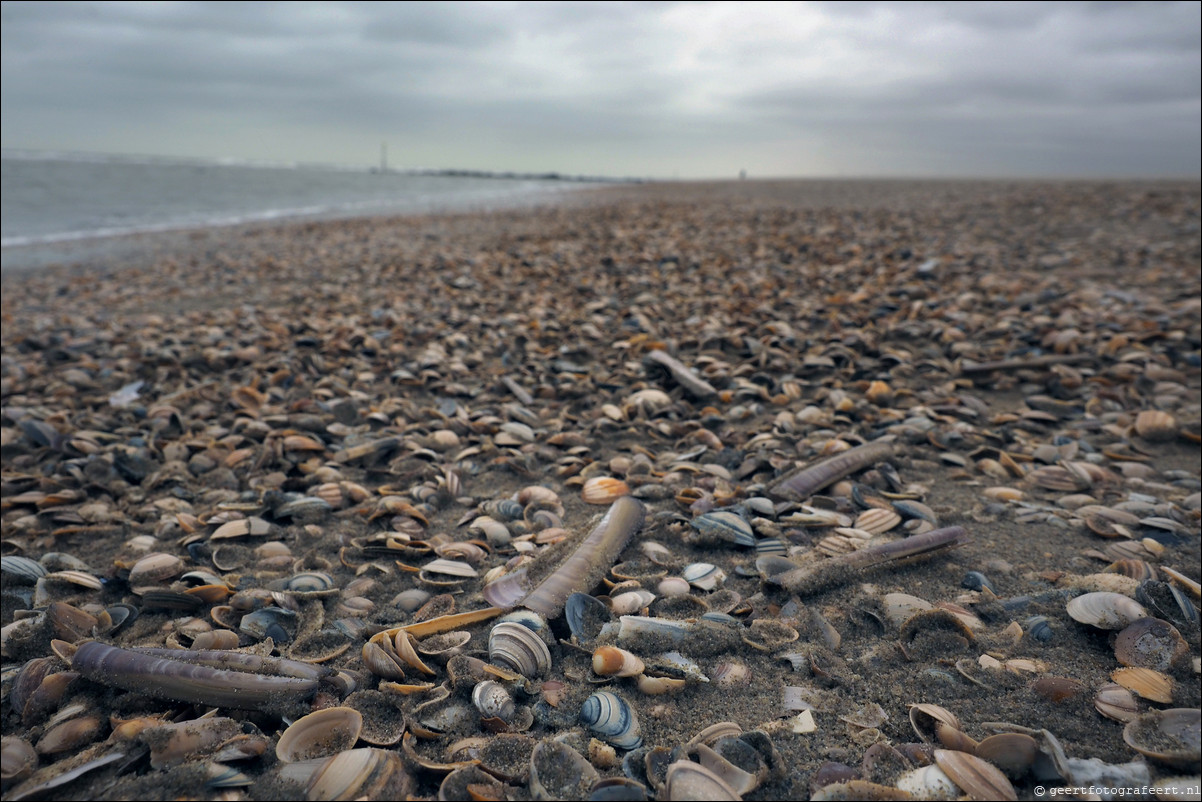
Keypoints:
(1150, 643)
(557, 771)
(1170, 736)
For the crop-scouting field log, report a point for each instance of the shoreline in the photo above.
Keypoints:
(399, 377)
(101, 251)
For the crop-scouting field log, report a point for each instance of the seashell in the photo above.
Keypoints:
(1145, 682)
(154, 568)
(410, 600)
(721, 526)
(609, 717)
(505, 509)
(22, 569)
(975, 580)
(741, 781)
(603, 490)
(618, 789)
(367, 773)
(730, 674)
(70, 623)
(610, 661)
(17, 759)
(901, 607)
(1116, 702)
(925, 782)
(673, 586)
(493, 700)
(1155, 425)
(654, 686)
(1105, 610)
(444, 645)
(704, 576)
(1168, 602)
(243, 527)
(381, 661)
(528, 618)
(1003, 493)
(978, 779)
(687, 780)
(1012, 752)
(631, 601)
(270, 622)
(383, 721)
(320, 734)
(557, 771)
(69, 736)
(925, 718)
(1039, 629)
(1170, 736)
(310, 582)
(1150, 643)
(303, 508)
(457, 783)
(514, 646)
(1057, 689)
(877, 520)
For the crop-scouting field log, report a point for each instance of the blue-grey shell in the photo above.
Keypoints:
(608, 716)
(725, 525)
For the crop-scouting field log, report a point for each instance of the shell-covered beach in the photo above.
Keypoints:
(900, 484)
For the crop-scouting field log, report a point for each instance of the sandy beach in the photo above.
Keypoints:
(363, 391)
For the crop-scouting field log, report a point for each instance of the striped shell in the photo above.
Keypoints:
(609, 717)
(722, 525)
(515, 647)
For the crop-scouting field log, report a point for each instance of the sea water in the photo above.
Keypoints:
(48, 199)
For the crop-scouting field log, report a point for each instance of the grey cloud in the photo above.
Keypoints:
(943, 87)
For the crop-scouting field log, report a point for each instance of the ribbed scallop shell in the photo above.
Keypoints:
(603, 490)
(608, 716)
(512, 645)
(1145, 682)
(877, 520)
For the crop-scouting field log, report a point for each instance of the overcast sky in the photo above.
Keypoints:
(648, 89)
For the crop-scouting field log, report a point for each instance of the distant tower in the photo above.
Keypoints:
(383, 157)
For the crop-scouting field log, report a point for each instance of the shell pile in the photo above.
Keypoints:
(829, 490)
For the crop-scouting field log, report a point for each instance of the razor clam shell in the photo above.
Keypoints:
(187, 682)
(583, 568)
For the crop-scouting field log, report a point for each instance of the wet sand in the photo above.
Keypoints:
(823, 314)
